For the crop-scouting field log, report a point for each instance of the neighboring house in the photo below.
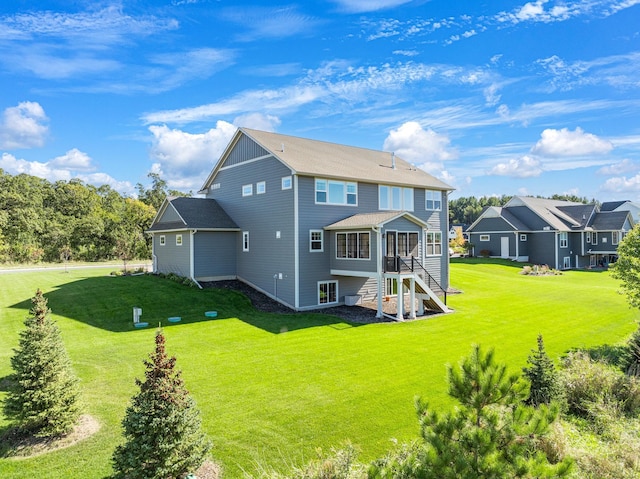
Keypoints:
(458, 230)
(560, 234)
(633, 208)
(311, 224)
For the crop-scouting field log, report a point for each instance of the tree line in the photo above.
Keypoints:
(62, 220)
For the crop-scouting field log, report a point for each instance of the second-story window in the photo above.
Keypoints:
(433, 200)
(332, 192)
(615, 237)
(261, 187)
(395, 198)
(247, 190)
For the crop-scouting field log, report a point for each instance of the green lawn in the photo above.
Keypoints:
(272, 388)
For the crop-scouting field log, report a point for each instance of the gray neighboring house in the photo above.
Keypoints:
(560, 234)
(311, 224)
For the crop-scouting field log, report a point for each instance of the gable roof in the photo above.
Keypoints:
(555, 213)
(611, 220)
(194, 213)
(373, 220)
(331, 160)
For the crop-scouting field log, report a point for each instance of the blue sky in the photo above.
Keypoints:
(494, 98)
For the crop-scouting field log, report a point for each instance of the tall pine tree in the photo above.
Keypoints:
(490, 435)
(162, 425)
(43, 395)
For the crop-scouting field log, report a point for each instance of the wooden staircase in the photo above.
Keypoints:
(426, 295)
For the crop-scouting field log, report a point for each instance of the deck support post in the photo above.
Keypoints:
(412, 299)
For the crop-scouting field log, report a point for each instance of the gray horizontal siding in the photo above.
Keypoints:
(169, 215)
(171, 258)
(215, 254)
(262, 216)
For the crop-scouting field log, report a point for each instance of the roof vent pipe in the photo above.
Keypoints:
(393, 160)
(282, 144)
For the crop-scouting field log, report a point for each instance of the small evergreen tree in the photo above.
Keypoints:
(491, 435)
(542, 374)
(162, 425)
(43, 395)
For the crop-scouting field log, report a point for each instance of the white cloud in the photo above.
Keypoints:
(624, 166)
(258, 121)
(74, 160)
(270, 22)
(567, 143)
(622, 184)
(361, 6)
(406, 53)
(63, 168)
(523, 167)
(181, 154)
(23, 126)
(424, 148)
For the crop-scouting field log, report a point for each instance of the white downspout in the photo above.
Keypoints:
(192, 258)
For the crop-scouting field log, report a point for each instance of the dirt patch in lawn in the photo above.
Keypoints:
(18, 445)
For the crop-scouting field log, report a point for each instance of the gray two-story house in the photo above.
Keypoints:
(560, 234)
(311, 224)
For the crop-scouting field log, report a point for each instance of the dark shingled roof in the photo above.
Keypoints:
(609, 220)
(197, 213)
(611, 205)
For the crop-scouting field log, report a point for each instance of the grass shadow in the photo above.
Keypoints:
(107, 303)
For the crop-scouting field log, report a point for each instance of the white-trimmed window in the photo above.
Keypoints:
(407, 244)
(245, 241)
(485, 237)
(564, 239)
(247, 190)
(178, 240)
(327, 292)
(588, 237)
(163, 240)
(433, 200)
(433, 243)
(316, 241)
(395, 198)
(333, 192)
(615, 237)
(353, 245)
(261, 187)
(523, 237)
(286, 183)
(594, 238)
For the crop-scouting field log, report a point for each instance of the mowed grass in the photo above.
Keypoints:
(272, 388)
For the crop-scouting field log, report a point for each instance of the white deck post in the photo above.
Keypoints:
(412, 300)
(400, 301)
